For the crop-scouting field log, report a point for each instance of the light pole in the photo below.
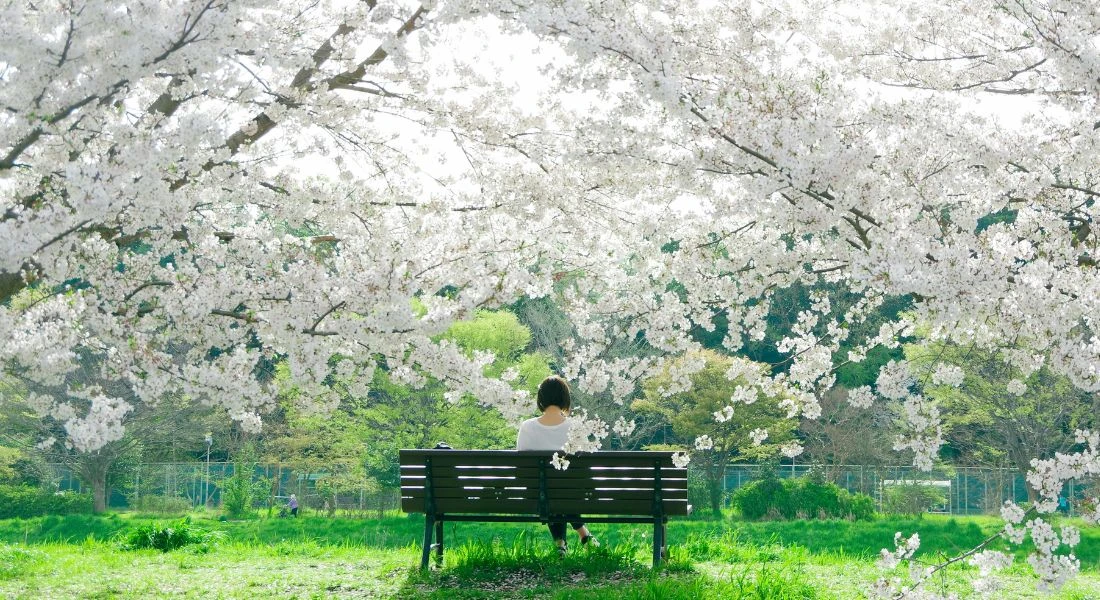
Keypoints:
(206, 484)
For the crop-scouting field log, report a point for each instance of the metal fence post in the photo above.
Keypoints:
(966, 495)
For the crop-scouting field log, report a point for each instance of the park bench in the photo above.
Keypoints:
(522, 486)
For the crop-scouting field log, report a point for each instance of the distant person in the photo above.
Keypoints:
(293, 505)
(550, 432)
(1063, 504)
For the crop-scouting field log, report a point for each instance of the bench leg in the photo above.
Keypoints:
(664, 541)
(429, 521)
(439, 542)
(658, 542)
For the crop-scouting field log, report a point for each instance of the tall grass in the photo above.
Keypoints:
(724, 539)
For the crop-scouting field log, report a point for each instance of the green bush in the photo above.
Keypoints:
(912, 499)
(698, 493)
(800, 498)
(169, 537)
(757, 499)
(167, 505)
(24, 502)
(237, 493)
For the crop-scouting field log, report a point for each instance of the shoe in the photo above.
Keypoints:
(563, 549)
(590, 541)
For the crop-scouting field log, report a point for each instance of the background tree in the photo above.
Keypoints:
(692, 421)
(357, 442)
(848, 435)
(990, 420)
(172, 428)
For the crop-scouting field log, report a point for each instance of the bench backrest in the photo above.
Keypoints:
(525, 483)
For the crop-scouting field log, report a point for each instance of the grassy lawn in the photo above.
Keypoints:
(312, 557)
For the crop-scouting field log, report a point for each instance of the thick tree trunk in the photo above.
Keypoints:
(99, 492)
(1022, 460)
(92, 470)
(716, 475)
(1032, 493)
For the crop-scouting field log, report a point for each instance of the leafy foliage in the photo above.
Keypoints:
(800, 498)
(690, 414)
(165, 537)
(161, 504)
(988, 424)
(911, 499)
(21, 501)
(240, 490)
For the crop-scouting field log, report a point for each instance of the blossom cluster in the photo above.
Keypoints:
(951, 375)
(925, 436)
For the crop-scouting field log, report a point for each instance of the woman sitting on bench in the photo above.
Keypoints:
(550, 432)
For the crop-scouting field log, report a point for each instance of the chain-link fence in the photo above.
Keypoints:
(195, 484)
(965, 490)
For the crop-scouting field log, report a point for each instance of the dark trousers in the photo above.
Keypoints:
(557, 530)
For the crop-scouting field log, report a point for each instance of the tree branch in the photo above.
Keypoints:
(312, 329)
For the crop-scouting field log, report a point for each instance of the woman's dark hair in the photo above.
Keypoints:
(554, 391)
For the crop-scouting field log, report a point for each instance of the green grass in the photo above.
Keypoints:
(865, 538)
(80, 556)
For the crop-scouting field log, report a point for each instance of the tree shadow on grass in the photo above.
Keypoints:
(524, 569)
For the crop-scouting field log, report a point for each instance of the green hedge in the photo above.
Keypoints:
(168, 505)
(800, 498)
(911, 499)
(23, 502)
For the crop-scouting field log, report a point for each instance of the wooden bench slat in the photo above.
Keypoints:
(575, 462)
(566, 484)
(531, 458)
(561, 479)
(553, 494)
(617, 507)
(669, 473)
(420, 453)
(553, 491)
(453, 505)
(581, 494)
(643, 473)
(526, 493)
(530, 507)
(417, 488)
(467, 471)
(506, 459)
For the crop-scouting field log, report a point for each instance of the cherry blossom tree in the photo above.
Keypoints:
(194, 189)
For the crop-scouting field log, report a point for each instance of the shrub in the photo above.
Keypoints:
(169, 537)
(241, 490)
(755, 500)
(237, 493)
(698, 493)
(802, 498)
(912, 499)
(24, 502)
(162, 504)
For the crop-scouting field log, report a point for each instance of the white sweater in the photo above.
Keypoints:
(536, 436)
